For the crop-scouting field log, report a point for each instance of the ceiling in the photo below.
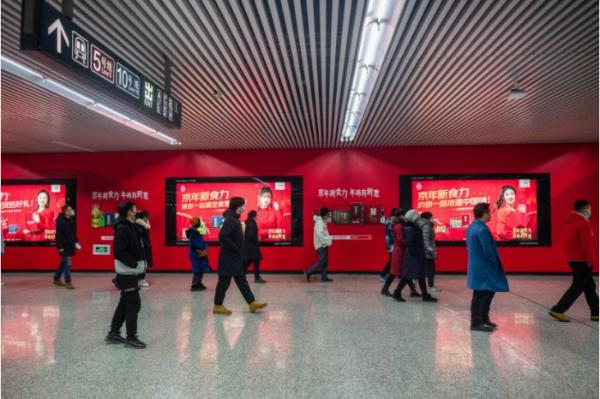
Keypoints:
(285, 68)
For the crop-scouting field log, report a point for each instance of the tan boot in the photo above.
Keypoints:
(58, 283)
(559, 316)
(254, 306)
(220, 309)
(69, 286)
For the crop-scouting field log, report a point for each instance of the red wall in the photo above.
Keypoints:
(573, 169)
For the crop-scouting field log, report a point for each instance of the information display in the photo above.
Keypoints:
(277, 202)
(30, 209)
(519, 205)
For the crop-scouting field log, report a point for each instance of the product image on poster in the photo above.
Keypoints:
(518, 205)
(30, 209)
(273, 200)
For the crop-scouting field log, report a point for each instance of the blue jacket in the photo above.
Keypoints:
(484, 271)
(199, 265)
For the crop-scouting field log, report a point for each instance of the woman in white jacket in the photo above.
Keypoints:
(322, 241)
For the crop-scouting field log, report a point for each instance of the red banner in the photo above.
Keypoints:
(208, 201)
(29, 211)
(513, 203)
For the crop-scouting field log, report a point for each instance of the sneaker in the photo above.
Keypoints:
(143, 283)
(482, 328)
(58, 283)
(434, 289)
(134, 343)
(399, 298)
(69, 286)
(491, 324)
(326, 280)
(382, 278)
(386, 293)
(114, 338)
(559, 316)
(429, 298)
(197, 288)
(259, 280)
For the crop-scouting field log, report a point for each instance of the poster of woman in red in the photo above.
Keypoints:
(514, 206)
(208, 201)
(29, 211)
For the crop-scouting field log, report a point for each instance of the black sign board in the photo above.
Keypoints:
(61, 39)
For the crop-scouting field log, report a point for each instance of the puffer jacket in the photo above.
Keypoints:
(428, 231)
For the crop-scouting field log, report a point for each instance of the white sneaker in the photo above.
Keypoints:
(434, 289)
(143, 283)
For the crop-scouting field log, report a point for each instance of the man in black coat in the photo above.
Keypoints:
(231, 262)
(129, 263)
(66, 243)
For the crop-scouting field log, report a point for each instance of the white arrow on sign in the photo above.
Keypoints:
(57, 26)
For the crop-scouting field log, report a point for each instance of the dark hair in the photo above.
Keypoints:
(47, 196)
(124, 207)
(266, 189)
(323, 212)
(142, 215)
(501, 199)
(392, 211)
(64, 208)
(251, 214)
(427, 215)
(236, 202)
(399, 212)
(580, 204)
(481, 209)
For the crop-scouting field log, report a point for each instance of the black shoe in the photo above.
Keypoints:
(399, 298)
(259, 280)
(202, 286)
(197, 288)
(306, 275)
(326, 280)
(482, 328)
(415, 294)
(386, 293)
(114, 338)
(134, 343)
(429, 298)
(489, 323)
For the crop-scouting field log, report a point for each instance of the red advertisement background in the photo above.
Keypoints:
(19, 202)
(453, 218)
(191, 194)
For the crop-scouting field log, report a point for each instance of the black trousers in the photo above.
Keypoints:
(480, 307)
(256, 263)
(404, 282)
(197, 279)
(583, 282)
(431, 277)
(387, 267)
(223, 285)
(129, 305)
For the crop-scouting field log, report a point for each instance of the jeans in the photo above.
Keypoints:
(223, 285)
(583, 282)
(129, 305)
(480, 307)
(256, 263)
(64, 267)
(322, 263)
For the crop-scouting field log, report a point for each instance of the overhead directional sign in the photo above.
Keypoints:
(57, 36)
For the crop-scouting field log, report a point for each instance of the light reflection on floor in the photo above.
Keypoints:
(315, 340)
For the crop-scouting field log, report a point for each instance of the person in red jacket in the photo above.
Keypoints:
(579, 247)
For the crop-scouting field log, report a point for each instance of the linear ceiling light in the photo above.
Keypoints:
(38, 79)
(378, 28)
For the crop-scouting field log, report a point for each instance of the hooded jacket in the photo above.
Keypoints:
(231, 239)
(426, 227)
(65, 235)
(127, 248)
(321, 237)
(197, 243)
(579, 241)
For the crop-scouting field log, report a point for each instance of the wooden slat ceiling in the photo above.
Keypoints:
(285, 68)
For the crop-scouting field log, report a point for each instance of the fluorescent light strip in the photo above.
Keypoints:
(376, 35)
(38, 79)
(73, 146)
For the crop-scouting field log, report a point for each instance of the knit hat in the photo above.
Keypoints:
(195, 221)
(411, 216)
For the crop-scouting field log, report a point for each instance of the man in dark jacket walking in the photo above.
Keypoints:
(579, 248)
(231, 262)
(129, 263)
(66, 243)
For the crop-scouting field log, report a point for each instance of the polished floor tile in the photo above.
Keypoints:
(338, 340)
